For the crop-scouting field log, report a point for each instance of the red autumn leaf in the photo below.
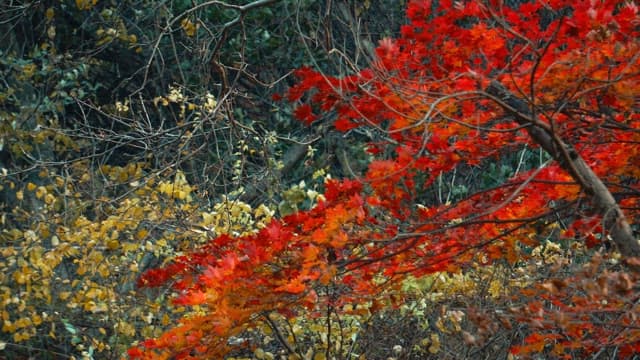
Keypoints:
(135, 353)
(294, 286)
(344, 125)
(305, 114)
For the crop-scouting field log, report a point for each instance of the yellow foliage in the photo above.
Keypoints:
(178, 189)
(189, 27)
(86, 4)
(28, 70)
(125, 328)
(66, 266)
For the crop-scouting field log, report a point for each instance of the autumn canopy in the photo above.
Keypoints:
(466, 83)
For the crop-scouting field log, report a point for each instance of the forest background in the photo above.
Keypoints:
(134, 134)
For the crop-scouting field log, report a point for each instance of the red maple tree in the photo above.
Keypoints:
(464, 84)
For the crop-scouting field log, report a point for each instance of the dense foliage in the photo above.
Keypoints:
(464, 84)
(467, 188)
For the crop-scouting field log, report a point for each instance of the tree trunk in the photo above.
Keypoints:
(613, 217)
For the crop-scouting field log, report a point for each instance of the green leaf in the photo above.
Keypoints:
(70, 328)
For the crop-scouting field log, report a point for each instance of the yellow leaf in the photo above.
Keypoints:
(85, 4)
(104, 271)
(141, 234)
(44, 232)
(81, 269)
(129, 247)
(435, 344)
(125, 328)
(133, 267)
(208, 218)
(28, 70)
(181, 195)
(23, 275)
(42, 191)
(20, 336)
(259, 353)
(19, 195)
(8, 326)
(23, 322)
(189, 27)
(49, 14)
(31, 186)
(89, 306)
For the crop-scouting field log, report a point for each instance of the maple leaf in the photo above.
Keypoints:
(310, 253)
(192, 297)
(229, 262)
(305, 114)
(211, 276)
(293, 286)
(276, 235)
(344, 124)
(135, 353)
(466, 84)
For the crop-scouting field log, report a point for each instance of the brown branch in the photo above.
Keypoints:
(613, 217)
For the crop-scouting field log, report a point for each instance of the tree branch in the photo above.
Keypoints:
(613, 217)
